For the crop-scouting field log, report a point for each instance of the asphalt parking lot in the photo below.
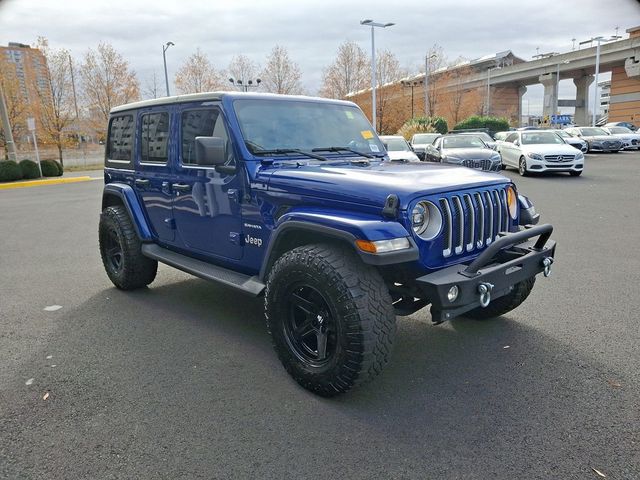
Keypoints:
(180, 380)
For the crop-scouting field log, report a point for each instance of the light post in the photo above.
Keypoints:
(412, 85)
(165, 47)
(598, 40)
(245, 86)
(489, 89)
(426, 83)
(566, 62)
(372, 24)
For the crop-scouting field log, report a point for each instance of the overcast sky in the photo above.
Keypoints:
(312, 29)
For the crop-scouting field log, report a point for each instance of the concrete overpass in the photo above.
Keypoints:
(499, 81)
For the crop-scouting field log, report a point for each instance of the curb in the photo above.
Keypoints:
(37, 183)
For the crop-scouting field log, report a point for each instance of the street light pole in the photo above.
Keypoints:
(558, 86)
(372, 24)
(165, 47)
(426, 83)
(596, 100)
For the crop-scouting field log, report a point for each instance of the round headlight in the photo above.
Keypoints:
(512, 202)
(426, 220)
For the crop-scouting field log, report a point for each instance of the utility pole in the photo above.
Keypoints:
(73, 87)
(6, 127)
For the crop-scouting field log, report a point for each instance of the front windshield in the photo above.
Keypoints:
(425, 137)
(563, 134)
(535, 138)
(268, 124)
(462, 141)
(619, 130)
(483, 135)
(395, 144)
(593, 131)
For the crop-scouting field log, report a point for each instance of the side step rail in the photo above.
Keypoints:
(204, 270)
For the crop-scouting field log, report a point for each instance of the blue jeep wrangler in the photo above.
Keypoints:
(294, 198)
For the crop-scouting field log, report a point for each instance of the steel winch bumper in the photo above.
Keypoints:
(512, 258)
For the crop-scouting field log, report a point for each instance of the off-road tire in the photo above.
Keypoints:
(358, 302)
(134, 270)
(504, 304)
(575, 173)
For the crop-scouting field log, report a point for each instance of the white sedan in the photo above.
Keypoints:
(398, 149)
(540, 151)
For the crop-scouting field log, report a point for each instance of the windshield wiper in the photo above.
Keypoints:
(342, 149)
(284, 151)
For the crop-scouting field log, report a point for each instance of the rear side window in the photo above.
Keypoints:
(196, 123)
(154, 138)
(120, 139)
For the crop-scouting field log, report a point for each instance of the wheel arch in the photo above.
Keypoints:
(296, 231)
(122, 194)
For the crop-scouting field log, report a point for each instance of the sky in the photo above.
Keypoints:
(312, 30)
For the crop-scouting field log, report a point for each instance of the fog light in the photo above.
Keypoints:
(452, 294)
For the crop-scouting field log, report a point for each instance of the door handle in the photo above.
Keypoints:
(142, 182)
(181, 187)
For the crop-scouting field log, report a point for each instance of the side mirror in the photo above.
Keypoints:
(516, 143)
(210, 151)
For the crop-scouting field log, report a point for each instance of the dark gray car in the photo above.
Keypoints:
(466, 150)
(597, 139)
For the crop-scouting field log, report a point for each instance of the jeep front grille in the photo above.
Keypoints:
(473, 220)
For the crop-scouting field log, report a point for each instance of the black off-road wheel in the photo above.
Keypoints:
(330, 318)
(504, 304)
(120, 249)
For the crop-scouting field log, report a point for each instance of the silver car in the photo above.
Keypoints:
(540, 151)
(630, 139)
(420, 141)
(597, 139)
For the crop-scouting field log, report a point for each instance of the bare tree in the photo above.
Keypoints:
(281, 74)
(15, 102)
(348, 73)
(197, 75)
(152, 87)
(243, 69)
(56, 111)
(107, 81)
(388, 71)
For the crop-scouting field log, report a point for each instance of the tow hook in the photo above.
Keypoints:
(484, 289)
(546, 263)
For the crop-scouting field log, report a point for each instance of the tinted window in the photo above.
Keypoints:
(200, 123)
(120, 141)
(154, 137)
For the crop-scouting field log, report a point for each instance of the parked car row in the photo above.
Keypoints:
(526, 149)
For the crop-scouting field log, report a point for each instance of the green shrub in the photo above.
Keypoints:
(9, 171)
(423, 125)
(493, 124)
(49, 168)
(59, 167)
(29, 169)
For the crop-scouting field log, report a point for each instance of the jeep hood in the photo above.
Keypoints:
(372, 184)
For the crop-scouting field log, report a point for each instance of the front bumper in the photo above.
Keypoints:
(509, 260)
